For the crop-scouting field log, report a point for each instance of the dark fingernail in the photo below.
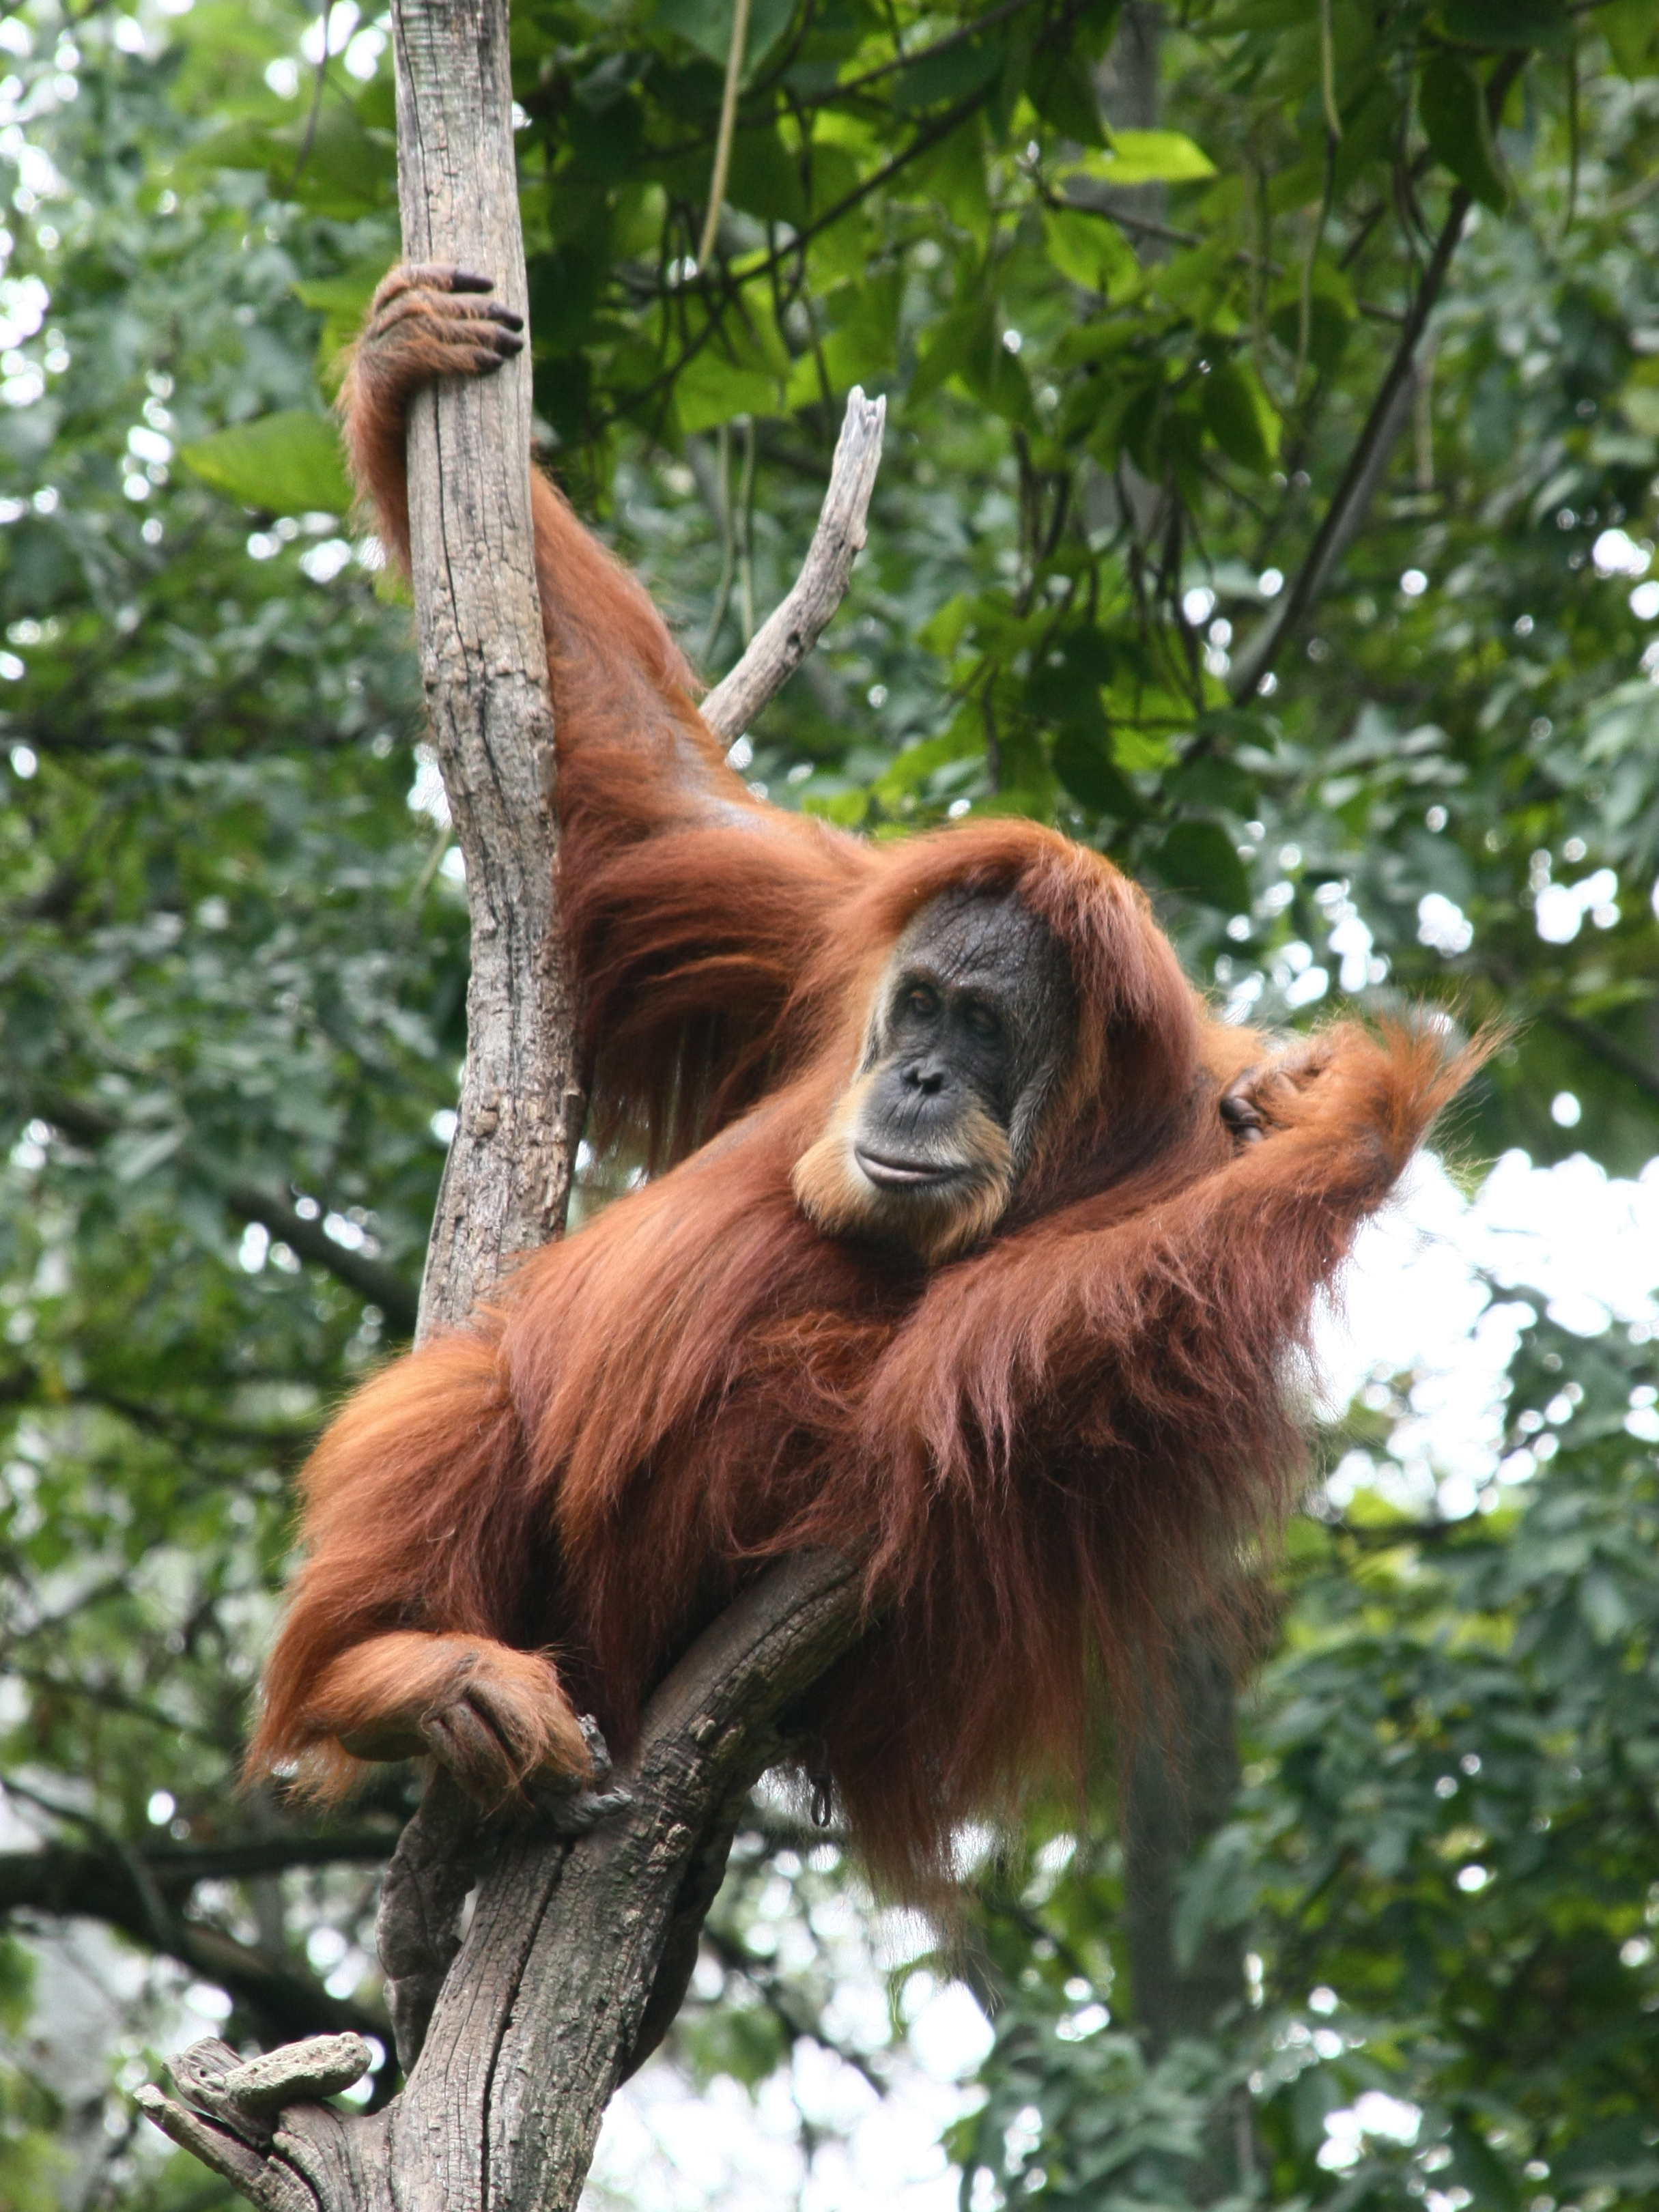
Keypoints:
(507, 345)
(504, 316)
(468, 279)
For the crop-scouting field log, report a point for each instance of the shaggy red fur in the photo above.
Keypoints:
(1042, 1450)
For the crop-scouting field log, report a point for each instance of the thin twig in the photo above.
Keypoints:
(728, 541)
(711, 222)
(1573, 147)
(1370, 454)
(732, 284)
(315, 115)
(746, 535)
(1327, 70)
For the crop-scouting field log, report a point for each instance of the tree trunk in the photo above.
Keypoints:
(586, 1922)
(1181, 1782)
(484, 667)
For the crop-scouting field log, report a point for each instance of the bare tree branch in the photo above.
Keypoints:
(1594, 1039)
(580, 1947)
(373, 1279)
(550, 2001)
(1390, 411)
(143, 1894)
(789, 633)
(484, 667)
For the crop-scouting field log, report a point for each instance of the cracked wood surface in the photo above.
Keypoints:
(484, 668)
(541, 2016)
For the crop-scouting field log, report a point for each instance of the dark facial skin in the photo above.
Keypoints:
(977, 1014)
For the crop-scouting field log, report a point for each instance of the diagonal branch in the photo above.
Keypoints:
(381, 1283)
(1390, 410)
(555, 1995)
(1366, 463)
(1595, 1040)
(789, 633)
(373, 1279)
(141, 1893)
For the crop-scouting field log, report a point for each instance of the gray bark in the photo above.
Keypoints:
(789, 634)
(549, 2004)
(484, 668)
(588, 1915)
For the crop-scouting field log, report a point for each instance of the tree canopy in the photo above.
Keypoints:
(1269, 500)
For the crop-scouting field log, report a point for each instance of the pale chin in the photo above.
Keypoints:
(938, 1218)
(894, 1179)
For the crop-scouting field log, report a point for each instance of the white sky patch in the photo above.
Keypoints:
(1570, 1240)
(426, 794)
(666, 2145)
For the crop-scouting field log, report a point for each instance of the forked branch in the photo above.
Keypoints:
(574, 1965)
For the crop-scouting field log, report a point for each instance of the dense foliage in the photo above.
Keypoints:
(1353, 662)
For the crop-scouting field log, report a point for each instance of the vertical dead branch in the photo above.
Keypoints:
(484, 667)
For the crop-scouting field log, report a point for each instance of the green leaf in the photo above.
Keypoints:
(1480, 2171)
(345, 170)
(961, 342)
(1061, 90)
(1631, 28)
(1200, 859)
(1312, 2095)
(942, 632)
(1007, 389)
(1083, 763)
(764, 180)
(1331, 316)
(1150, 157)
(334, 166)
(1603, 1606)
(1239, 416)
(564, 288)
(1212, 781)
(1453, 107)
(707, 25)
(285, 463)
(947, 77)
(861, 345)
(711, 390)
(955, 177)
(1544, 26)
(1091, 250)
(342, 302)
